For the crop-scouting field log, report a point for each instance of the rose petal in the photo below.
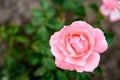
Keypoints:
(64, 65)
(76, 60)
(83, 25)
(92, 62)
(79, 68)
(104, 10)
(70, 49)
(54, 49)
(115, 15)
(100, 42)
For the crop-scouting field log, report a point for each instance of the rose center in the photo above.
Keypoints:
(79, 43)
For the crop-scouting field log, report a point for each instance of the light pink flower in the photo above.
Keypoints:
(77, 47)
(111, 9)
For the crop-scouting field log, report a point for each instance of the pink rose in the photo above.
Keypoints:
(111, 8)
(77, 47)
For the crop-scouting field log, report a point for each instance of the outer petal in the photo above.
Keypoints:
(64, 65)
(104, 10)
(76, 61)
(54, 40)
(92, 62)
(79, 68)
(83, 25)
(100, 42)
(115, 15)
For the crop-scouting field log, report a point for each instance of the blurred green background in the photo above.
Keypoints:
(27, 54)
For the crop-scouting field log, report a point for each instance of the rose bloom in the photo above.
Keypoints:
(111, 8)
(77, 47)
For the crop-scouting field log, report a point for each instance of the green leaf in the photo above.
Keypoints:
(37, 13)
(17, 70)
(29, 29)
(45, 48)
(50, 13)
(66, 5)
(94, 7)
(79, 10)
(4, 74)
(16, 29)
(33, 60)
(22, 77)
(44, 4)
(35, 46)
(55, 24)
(8, 63)
(17, 55)
(3, 33)
(58, 1)
(48, 76)
(82, 76)
(38, 21)
(10, 41)
(40, 71)
(98, 70)
(41, 47)
(49, 63)
(109, 38)
(61, 75)
(42, 34)
(22, 39)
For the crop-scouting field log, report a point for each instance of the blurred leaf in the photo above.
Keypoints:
(48, 76)
(42, 34)
(109, 38)
(66, 5)
(10, 41)
(29, 29)
(40, 71)
(70, 74)
(55, 24)
(44, 4)
(79, 10)
(45, 49)
(8, 63)
(41, 47)
(51, 77)
(35, 46)
(98, 70)
(17, 55)
(49, 63)
(94, 7)
(15, 29)
(37, 13)
(50, 13)
(33, 60)
(4, 74)
(22, 77)
(58, 1)
(17, 70)
(37, 21)
(61, 75)
(22, 39)
(3, 33)
(82, 76)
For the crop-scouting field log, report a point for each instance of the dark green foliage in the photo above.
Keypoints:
(28, 55)
(98, 70)
(82, 76)
(94, 7)
(109, 38)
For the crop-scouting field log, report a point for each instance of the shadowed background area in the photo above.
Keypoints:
(25, 28)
